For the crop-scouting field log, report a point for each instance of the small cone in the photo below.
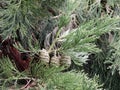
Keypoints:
(44, 56)
(65, 61)
(55, 60)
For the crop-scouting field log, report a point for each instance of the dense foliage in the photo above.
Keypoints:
(60, 44)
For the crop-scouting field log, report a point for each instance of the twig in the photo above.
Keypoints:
(57, 17)
(28, 82)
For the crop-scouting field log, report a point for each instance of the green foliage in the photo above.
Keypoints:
(33, 45)
(114, 54)
(24, 16)
(83, 38)
(72, 81)
(49, 76)
(43, 71)
(70, 6)
(113, 2)
(7, 67)
(9, 75)
(63, 21)
(21, 15)
(14, 18)
(106, 62)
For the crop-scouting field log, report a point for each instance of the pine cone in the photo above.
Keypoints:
(55, 61)
(65, 61)
(44, 56)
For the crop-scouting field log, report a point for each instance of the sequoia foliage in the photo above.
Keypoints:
(60, 44)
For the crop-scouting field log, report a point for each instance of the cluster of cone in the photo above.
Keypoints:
(22, 60)
(55, 60)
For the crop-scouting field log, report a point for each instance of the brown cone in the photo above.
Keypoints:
(65, 61)
(44, 56)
